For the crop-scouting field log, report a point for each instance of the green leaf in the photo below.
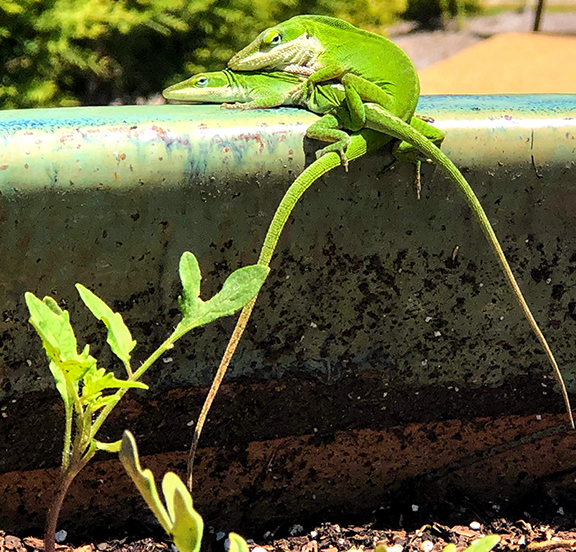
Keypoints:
(187, 525)
(53, 326)
(144, 480)
(60, 380)
(119, 337)
(190, 276)
(449, 548)
(238, 289)
(100, 402)
(97, 380)
(109, 447)
(485, 544)
(237, 543)
(241, 286)
(180, 521)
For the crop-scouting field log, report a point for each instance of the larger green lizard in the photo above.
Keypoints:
(325, 48)
(271, 89)
(372, 69)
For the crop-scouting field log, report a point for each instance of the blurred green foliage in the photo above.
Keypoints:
(433, 14)
(93, 52)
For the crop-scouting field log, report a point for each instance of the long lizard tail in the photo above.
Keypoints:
(382, 121)
(361, 143)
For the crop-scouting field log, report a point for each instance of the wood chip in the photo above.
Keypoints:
(551, 545)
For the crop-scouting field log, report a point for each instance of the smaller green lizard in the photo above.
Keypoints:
(265, 90)
(272, 89)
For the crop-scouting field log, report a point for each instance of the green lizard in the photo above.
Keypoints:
(369, 65)
(265, 90)
(342, 110)
(325, 48)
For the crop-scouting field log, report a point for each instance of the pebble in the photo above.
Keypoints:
(296, 530)
(475, 526)
(427, 546)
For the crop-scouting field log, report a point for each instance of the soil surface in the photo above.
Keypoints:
(328, 537)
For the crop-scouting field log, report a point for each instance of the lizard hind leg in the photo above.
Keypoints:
(404, 151)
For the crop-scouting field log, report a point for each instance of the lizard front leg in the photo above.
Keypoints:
(263, 100)
(328, 129)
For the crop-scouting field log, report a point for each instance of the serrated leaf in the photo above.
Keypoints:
(108, 447)
(238, 289)
(53, 326)
(485, 544)
(237, 543)
(119, 337)
(187, 525)
(96, 403)
(98, 380)
(143, 479)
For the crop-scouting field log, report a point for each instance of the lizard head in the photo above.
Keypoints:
(213, 87)
(288, 46)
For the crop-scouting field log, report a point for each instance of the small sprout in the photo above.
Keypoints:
(176, 514)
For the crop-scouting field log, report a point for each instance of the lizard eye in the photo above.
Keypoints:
(272, 39)
(202, 82)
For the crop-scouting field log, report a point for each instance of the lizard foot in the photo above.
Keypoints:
(425, 118)
(341, 151)
(299, 93)
(417, 179)
(237, 105)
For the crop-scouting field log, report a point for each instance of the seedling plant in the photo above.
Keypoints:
(90, 393)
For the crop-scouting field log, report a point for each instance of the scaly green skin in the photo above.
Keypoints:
(340, 114)
(360, 144)
(379, 119)
(249, 90)
(325, 48)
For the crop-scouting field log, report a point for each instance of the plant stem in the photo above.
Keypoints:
(63, 483)
(67, 436)
(168, 344)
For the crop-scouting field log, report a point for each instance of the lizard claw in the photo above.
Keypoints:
(235, 105)
(298, 93)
